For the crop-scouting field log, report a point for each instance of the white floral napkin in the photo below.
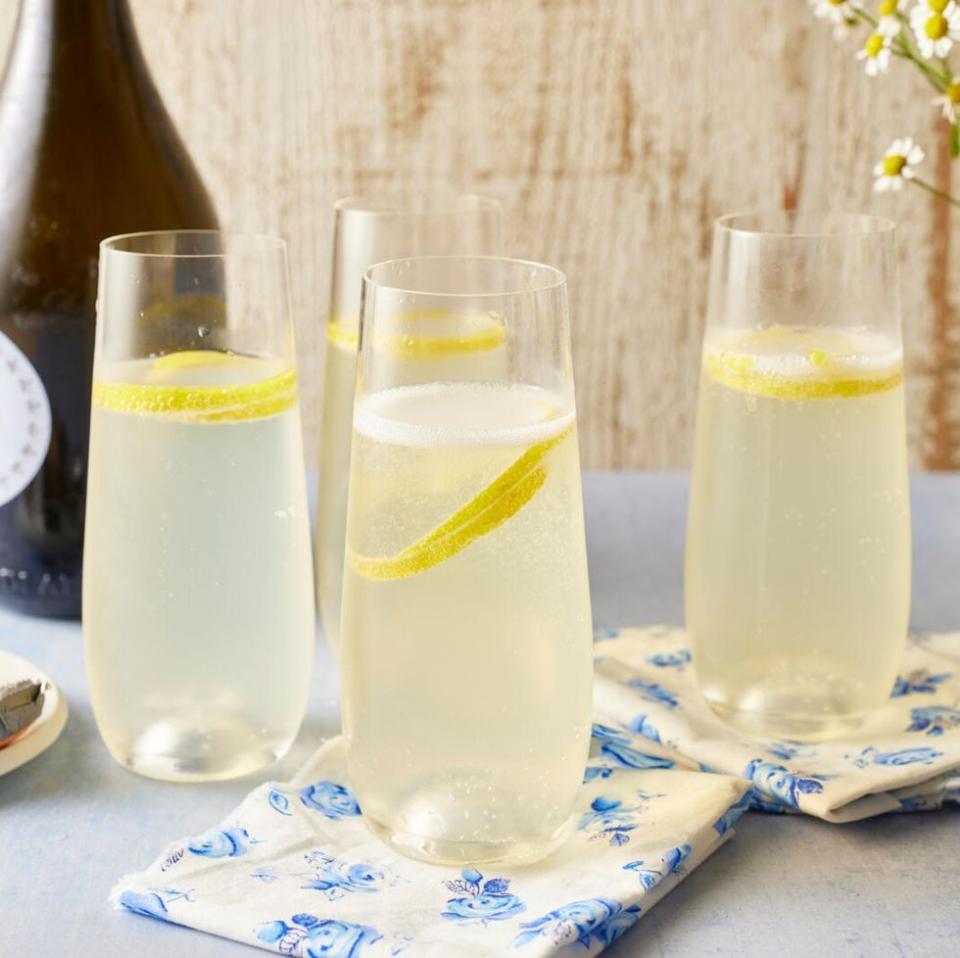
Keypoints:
(906, 757)
(295, 871)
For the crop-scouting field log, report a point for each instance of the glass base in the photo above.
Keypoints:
(783, 723)
(175, 750)
(439, 851)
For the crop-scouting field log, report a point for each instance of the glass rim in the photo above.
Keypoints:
(415, 203)
(553, 278)
(772, 223)
(250, 242)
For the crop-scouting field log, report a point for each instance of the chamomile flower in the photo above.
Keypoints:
(888, 23)
(841, 13)
(897, 165)
(936, 24)
(836, 11)
(949, 100)
(876, 54)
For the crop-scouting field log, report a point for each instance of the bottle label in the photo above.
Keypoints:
(24, 421)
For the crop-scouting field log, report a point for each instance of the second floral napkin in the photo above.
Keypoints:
(906, 757)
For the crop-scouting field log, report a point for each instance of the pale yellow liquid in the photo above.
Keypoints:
(334, 478)
(466, 686)
(476, 360)
(198, 604)
(798, 544)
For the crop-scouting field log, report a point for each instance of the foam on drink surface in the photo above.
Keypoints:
(440, 414)
(804, 362)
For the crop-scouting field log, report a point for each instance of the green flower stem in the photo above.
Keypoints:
(931, 76)
(930, 188)
(904, 40)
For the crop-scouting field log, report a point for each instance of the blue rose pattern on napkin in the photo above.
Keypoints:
(314, 937)
(600, 920)
(906, 757)
(476, 903)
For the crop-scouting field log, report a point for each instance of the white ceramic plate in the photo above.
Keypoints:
(42, 733)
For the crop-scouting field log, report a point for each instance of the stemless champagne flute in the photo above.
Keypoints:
(798, 544)
(198, 593)
(367, 231)
(466, 655)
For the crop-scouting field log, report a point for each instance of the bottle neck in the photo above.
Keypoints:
(75, 21)
(70, 37)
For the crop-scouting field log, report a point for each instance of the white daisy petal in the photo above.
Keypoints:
(896, 183)
(878, 170)
(882, 184)
(946, 107)
(888, 27)
(915, 156)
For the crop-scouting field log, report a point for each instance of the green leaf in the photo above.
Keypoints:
(954, 140)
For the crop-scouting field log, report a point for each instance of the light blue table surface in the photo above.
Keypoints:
(72, 822)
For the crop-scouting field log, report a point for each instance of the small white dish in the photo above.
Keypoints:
(46, 729)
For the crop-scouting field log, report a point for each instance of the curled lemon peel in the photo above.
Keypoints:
(190, 403)
(824, 363)
(828, 380)
(414, 347)
(488, 510)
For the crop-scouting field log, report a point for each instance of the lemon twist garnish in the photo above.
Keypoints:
(412, 347)
(342, 335)
(434, 347)
(739, 372)
(488, 510)
(192, 358)
(221, 403)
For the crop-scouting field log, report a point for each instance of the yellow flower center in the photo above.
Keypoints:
(837, 3)
(937, 6)
(893, 165)
(888, 8)
(953, 92)
(874, 45)
(936, 27)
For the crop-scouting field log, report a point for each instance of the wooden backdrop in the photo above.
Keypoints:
(614, 131)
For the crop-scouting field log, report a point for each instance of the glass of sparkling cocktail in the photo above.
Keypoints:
(198, 592)
(368, 230)
(466, 651)
(798, 543)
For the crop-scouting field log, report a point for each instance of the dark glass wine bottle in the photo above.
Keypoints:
(87, 150)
